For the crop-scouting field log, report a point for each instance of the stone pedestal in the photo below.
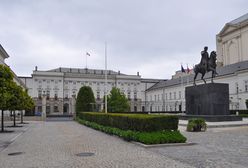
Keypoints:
(209, 101)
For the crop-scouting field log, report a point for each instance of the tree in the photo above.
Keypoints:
(117, 101)
(6, 80)
(28, 104)
(16, 99)
(85, 100)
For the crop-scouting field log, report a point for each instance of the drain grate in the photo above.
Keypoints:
(15, 153)
(85, 154)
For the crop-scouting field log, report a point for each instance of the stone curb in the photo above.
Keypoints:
(164, 145)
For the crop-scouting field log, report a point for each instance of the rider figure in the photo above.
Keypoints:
(204, 58)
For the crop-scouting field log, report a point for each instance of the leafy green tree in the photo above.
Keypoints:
(6, 80)
(28, 103)
(117, 101)
(16, 100)
(85, 100)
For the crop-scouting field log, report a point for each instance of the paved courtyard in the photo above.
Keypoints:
(56, 143)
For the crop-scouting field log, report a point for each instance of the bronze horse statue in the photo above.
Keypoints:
(199, 68)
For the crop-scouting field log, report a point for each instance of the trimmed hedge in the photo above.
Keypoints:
(159, 137)
(135, 122)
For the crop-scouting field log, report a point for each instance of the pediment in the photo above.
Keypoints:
(227, 29)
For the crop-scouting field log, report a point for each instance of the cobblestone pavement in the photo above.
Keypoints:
(55, 144)
(218, 147)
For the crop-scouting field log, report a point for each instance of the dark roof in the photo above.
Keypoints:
(84, 70)
(222, 71)
(239, 20)
(5, 54)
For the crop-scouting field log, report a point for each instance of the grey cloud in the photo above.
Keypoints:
(139, 33)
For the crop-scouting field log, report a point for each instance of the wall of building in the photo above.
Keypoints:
(60, 87)
(232, 44)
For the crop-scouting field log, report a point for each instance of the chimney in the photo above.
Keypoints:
(59, 69)
(138, 74)
(36, 68)
(119, 72)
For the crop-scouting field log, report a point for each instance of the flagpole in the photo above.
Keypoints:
(86, 59)
(106, 105)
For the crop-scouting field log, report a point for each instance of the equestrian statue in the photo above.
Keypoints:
(207, 64)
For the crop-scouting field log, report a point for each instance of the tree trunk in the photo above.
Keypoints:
(21, 117)
(14, 118)
(2, 122)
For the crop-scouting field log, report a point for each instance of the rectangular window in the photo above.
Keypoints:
(166, 96)
(128, 95)
(170, 95)
(48, 94)
(237, 87)
(39, 94)
(135, 95)
(175, 95)
(246, 86)
(98, 95)
(56, 109)
(179, 94)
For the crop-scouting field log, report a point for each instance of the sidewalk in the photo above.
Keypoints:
(220, 124)
(7, 138)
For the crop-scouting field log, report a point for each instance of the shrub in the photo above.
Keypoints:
(117, 101)
(135, 122)
(196, 125)
(158, 137)
(85, 100)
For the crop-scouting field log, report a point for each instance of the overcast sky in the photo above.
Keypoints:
(150, 36)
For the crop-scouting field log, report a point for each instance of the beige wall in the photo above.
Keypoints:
(232, 44)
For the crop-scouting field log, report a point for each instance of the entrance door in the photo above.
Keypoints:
(66, 108)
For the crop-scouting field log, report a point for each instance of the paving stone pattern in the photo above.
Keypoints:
(55, 145)
(218, 147)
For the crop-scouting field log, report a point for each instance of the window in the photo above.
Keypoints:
(166, 96)
(56, 95)
(158, 97)
(56, 109)
(179, 94)
(39, 108)
(155, 97)
(135, 95)
(39, 94)
(170, 95)
(48, 109)
(128, 95)
(246, 86)
(98, 95)
(175, 95)
(48, 94)
(237, 87)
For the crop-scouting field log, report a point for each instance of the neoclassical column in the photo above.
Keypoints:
(43, 115)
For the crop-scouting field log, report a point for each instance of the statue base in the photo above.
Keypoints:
(209, 101)
(212, 118)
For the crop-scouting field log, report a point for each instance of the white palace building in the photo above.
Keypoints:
(61, 85)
